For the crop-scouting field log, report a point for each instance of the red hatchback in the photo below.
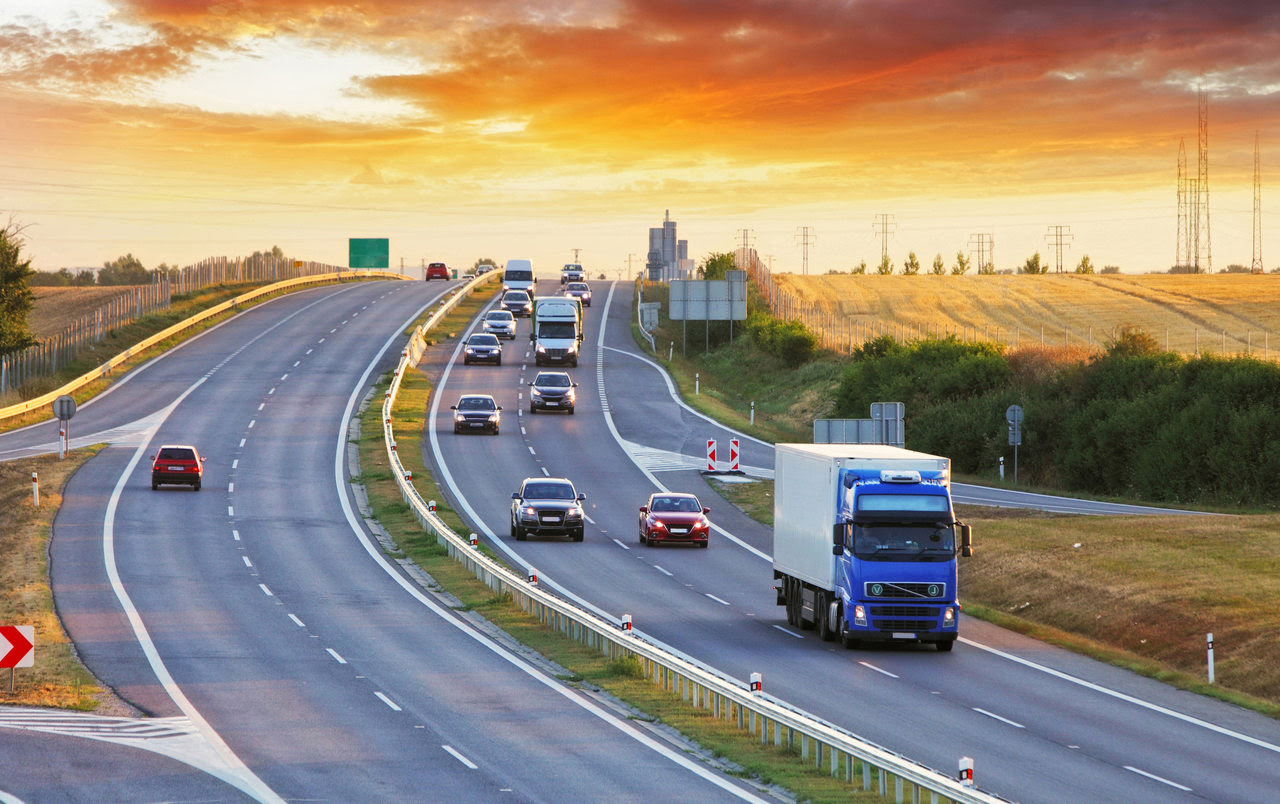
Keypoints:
(672, 517)
(437, 270)
(178, 464)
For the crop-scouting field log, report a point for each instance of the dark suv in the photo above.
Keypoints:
(178, 464)
(482, 348)
(552, 390)
(547, 506)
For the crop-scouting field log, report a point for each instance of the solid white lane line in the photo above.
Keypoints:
(789, 633)
(997, 717)
(664, 572)
(246, 561)
(1160, 779)
(620, 544)
(387, 701)
(265, 590)
(470, 765)
(716, 599)
(335, 655)
(1126, 698)
(296, 621)
(589, 519)
(870, 666)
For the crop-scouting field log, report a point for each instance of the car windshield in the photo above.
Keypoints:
(577, 286)
(896, 541)
(177, 454)
(483, 340)
(499, 316)
(516, 296)
(475, 403)
(548, 491)
(681, 504)
(545, 380)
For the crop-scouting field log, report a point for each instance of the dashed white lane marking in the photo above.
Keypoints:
(242, 442)
(871, 666)
(620, 544)
(296, 363)
(335, 656)
(997, 717)
(309, 351)
(284, 376)
(320, 341)
(261, 406)
(231, 512)
(252, 422)
(522, 432)
(231, 487)
(716, 599)
(664, 572)
(296, 621)
(470, 765)
(387, 701)
(235, 534)
(789, 633)
(1160, 779)
(531, 452)
(272, 391)
(246, 561)
(235, 464)
(265, 590)
(546, 472)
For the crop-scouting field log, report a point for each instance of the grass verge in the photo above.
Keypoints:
(58, 679)
(769, 765)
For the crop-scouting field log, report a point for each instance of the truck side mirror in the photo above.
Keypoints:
(966, 540)
(837, 540)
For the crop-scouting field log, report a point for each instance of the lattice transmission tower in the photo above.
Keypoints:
(1204, 242)
(806, 237)
(1183, 245)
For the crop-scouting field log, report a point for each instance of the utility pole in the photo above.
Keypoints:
(806, 238)
(1202, 187)
(575, 255)
(986, 250)
(1256, 265)
(884, 226)
(1058, 236)
(630, 272)
(1182, 247)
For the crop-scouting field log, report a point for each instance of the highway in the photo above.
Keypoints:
(1042, 724)
(277, 653)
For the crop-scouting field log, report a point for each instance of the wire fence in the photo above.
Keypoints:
(845, 333)
(56, 351)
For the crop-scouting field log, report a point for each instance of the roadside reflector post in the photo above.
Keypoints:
(753, 414)
(711, 454)
(626, 623)
(533, 576)
(1210, 644)
(966, 772)
(408, 476)
(35, 490)
(1002, 467)
(62, 443)
(696, 382)
(474, 539)
(757, 684)
(431, 506)
(393, 446)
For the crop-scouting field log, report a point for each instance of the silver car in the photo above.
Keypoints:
(501, 323)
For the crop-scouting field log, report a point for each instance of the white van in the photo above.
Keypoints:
(518, 275)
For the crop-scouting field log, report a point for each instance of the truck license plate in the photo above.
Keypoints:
(900, 635)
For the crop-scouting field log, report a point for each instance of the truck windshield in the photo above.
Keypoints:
(896, 541)
(555, 329)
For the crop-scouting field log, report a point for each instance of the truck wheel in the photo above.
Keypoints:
(822, 618)
(946, 645)
(793, 604)
(847, 639)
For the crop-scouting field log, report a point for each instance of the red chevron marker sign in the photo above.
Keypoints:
(17, 645)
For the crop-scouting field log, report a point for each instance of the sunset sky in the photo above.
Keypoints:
(182, 129)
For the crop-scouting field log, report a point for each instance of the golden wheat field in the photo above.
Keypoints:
(1204, 313)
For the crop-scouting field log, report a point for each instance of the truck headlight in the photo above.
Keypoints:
(948, 616)
(542, 348)
(860, 615)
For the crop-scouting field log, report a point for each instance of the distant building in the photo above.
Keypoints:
(668, 258)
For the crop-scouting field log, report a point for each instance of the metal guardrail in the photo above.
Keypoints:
(106, 368)
(821, 744)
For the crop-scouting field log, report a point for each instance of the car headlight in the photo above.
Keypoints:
(534, 392)
(529, 511)
(542, 348)
(458, 417)
(493, 417)
(575, 511)
(470, 350)
(659, 525)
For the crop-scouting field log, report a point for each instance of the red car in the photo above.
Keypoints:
(178, 464)
(437, 270)
(672, 517)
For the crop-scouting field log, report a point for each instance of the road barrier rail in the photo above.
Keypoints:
(821, 744)
(106, 368)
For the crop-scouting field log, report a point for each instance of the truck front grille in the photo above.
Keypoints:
(905, 590)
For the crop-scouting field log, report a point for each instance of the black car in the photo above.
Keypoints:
(482, 348)
(547, 506)
(552, 390)
(476, 413)
(518, 303)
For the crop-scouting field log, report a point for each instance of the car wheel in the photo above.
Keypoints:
(456, 431)
(518, 533)
(578, 534)
(499, 360)
(702, 544)
(197, 485)
(570, 411)
(155, 485)
(532, 409)
(946, 645)
(643, 540)
(575, 362)
(495, 430)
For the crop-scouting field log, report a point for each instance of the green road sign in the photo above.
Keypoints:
(369, 252)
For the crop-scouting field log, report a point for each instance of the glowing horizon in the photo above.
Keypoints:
(177, 130)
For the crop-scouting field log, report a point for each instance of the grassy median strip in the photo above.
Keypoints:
(773, 766)
(57, 679)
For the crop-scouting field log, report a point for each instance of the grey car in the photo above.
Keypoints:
(500, 323)
(552, 390)
(547, 506)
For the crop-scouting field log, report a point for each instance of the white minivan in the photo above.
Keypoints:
(518, 275)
